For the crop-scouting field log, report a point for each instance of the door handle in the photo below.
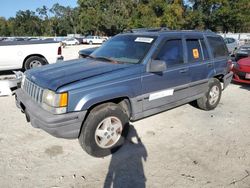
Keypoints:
(209, 64)
(183, 71)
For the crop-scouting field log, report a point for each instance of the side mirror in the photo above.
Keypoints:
(157, 66)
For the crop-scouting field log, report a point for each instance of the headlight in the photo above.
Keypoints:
(55, 103)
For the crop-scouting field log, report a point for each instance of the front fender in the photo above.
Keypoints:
(102, 95)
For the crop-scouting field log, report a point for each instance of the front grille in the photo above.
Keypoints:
(34, 91)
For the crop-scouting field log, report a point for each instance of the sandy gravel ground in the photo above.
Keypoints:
(182, 147)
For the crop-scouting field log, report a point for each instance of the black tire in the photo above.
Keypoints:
(89, 139)
(34, 61)
(90, 42)
(207, 102)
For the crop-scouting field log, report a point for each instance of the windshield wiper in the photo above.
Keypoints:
(90, 56)
(105, 59)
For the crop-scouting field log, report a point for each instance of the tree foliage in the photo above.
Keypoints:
(109, 17)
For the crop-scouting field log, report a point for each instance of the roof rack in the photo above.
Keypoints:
(139, 30)
(160, 29)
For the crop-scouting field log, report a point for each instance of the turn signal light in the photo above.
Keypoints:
(63, 99)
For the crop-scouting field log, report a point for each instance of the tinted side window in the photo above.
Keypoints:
(217, 46)
(194, 50)
(171, 52)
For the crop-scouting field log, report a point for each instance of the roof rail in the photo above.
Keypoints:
(139, 30)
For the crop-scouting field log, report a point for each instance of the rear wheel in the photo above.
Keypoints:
(104, 130)
(34, 61)
(90, 42)
(212, 98)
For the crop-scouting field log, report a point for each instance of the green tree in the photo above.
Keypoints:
(26, 23)
(44, 14)
(173, 16)
(4, 30)
(105, 16)
(109, 17)
(64, 19)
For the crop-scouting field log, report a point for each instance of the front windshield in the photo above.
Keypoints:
(125, 48)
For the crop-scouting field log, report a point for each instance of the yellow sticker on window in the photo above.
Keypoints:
(196, 53)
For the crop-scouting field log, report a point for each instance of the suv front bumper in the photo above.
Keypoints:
(63, 126)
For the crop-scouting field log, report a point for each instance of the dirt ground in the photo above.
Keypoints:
(182, 147)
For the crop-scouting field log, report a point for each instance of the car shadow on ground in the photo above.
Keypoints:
(242, 85)
(126, 165)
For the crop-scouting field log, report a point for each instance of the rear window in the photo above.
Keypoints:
(218, 47)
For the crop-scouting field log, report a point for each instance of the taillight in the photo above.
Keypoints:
(59, 51)
(230, 65)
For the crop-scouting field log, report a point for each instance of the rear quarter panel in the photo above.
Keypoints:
(219, 63)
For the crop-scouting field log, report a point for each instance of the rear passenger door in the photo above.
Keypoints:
(171, 85)
(200, 64)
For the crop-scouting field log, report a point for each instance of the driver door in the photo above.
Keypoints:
(171, 85)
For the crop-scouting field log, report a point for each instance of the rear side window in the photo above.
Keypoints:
(171, 52)
(194, 50)
(218, 47)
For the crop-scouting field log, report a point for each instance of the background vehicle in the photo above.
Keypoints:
(70, 41)
(80, 39)
(132, 76)
(241, 71)
(86, 52)
(28, 54)
(93, 40)
(232, 44)
(242, 52)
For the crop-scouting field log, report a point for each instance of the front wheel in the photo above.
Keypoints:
(212, 97)
(33, 62)
(104, 130)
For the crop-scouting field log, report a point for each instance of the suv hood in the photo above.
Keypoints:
(57, 75)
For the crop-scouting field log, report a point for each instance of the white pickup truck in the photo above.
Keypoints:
(28, 54)
(93, 40)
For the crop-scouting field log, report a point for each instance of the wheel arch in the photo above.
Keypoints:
(33, 55)
(124, 102)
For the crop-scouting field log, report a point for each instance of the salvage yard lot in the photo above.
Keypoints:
(182, 147)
